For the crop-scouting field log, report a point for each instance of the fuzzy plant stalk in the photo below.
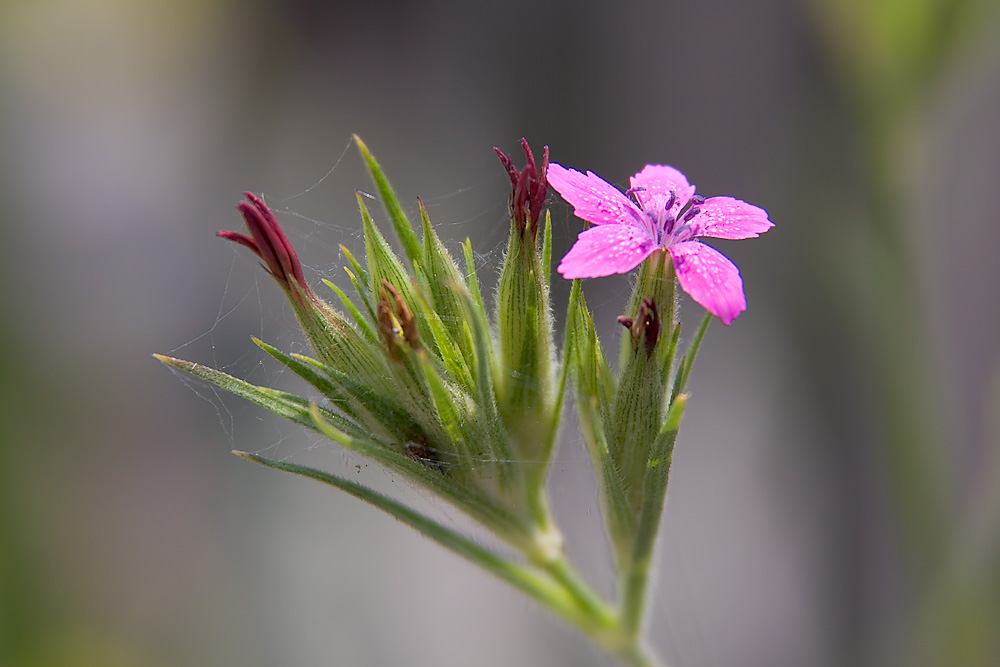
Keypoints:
(413, 373)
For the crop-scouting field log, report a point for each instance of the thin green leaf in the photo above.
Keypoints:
(547, 249)
(358, 269)
(688, 360)
(473, 281)
(364, 325)
(671, 353)
(535, 585)
(283, 404)
(441, 274)
(306, 372)
(361, 293)
(567, 357)
(616, 510)
(451, 353)
(404, 230)
(383, 264)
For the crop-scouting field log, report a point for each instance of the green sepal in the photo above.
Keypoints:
(404, 230)
(635, 420)
(525, 333)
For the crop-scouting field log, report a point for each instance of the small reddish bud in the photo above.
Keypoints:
(529, 187)
(645, 327)
(393, 322)
(268, 242)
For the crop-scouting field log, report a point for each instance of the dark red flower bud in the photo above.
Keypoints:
(269, 243)
(528, 187)
(645, 327)
(394, 322)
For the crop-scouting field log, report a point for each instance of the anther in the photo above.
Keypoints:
(631, 194)
(671, 201)
(691, 213)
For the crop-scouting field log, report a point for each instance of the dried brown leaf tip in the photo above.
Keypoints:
(645, 328)
(528, 187)
(396, 319)
(269, 242)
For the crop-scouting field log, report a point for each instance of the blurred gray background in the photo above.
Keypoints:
(834, 492)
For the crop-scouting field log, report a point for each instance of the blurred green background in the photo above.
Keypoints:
(836, 485)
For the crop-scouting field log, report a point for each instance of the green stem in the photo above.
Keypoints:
(602, 616)
(638, 655)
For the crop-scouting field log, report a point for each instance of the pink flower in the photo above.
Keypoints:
(663, 213)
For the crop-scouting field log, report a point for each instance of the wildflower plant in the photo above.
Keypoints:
(416, 376)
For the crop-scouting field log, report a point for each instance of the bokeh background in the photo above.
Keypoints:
(835, 489)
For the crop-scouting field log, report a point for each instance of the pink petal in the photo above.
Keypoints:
(593, 199)
(659, 180)
(604, 250)
(728, 218)
(710, 279)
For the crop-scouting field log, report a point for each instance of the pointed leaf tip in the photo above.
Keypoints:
(173, 362)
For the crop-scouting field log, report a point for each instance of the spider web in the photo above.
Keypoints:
(250, 304)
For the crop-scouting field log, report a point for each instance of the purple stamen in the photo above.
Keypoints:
(671, 201)
(631, 194)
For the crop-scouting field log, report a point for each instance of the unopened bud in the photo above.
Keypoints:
(396, 319)
(645, 328)
(529, 187)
